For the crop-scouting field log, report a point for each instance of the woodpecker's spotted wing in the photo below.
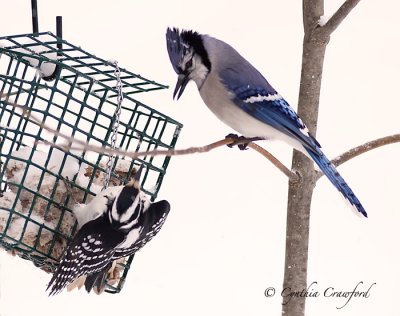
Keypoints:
(150, 222)
(90, 251)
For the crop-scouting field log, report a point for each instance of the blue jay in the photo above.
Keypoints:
(242, 98)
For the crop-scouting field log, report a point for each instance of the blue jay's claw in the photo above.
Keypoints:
(241, 141)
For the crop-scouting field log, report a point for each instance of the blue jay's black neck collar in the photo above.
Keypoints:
(179, 43)
(194, 39)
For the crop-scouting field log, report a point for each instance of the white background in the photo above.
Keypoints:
(223, 243)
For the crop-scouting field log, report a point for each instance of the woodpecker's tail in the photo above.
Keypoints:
(97, 280)
(333, 175)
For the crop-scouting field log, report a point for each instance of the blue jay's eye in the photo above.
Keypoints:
(189, 64)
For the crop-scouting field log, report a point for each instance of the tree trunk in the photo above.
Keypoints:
(300, 192)
(316, 38)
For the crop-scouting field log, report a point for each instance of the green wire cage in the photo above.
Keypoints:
(50, 88)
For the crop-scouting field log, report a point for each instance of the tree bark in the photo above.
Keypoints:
(316, 38)
(300, 192)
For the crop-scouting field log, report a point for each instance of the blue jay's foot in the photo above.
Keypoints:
(241, 141)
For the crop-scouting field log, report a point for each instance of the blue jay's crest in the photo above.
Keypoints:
(176, 47)
(182, 43)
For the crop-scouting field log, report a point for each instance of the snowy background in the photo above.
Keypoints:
(223, 243)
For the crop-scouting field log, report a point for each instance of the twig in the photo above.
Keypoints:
(359, 150)
(337, 18)
(290, 174)
(77, 144)
(155, 152)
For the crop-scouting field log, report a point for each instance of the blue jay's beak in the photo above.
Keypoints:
(181, 85)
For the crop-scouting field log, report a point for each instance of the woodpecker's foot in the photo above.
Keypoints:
(241, 141)
(68, 188)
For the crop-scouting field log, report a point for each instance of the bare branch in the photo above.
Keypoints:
(338, 17)
(77, 144)
(155, 152)
(359, 150)
(290, 174)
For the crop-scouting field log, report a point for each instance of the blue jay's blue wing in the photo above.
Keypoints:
(255, 96)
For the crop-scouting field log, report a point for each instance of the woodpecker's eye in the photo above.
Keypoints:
(189, 64)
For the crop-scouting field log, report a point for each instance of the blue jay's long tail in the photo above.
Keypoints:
(333, 175)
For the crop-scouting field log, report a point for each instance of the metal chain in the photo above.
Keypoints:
(114, 132)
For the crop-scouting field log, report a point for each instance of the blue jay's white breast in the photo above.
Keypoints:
(219, 101)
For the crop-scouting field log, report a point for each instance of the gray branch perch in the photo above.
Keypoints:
(359, 150)
(77, 144)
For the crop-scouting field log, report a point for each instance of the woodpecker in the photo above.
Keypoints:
(239, 95)
(121, 222)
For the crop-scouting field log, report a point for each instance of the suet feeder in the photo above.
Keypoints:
(46, 81)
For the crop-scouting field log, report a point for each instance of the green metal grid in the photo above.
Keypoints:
(80, 102)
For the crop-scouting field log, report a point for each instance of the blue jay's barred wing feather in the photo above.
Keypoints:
(257, 98)
(89, 252)
(254, 95)
(278, 114)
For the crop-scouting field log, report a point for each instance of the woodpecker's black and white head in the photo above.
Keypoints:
(188, 56)
(128, 205)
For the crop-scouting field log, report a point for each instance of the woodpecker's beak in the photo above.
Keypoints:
(181, 85)
(138, 173)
